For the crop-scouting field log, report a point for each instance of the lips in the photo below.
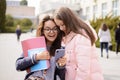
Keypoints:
(51, 35)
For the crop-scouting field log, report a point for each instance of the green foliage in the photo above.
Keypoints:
(26, 22)
(2, 15)
(23, 2)
(9, 20)
(112, 24)
(11, 24)
(17, 21)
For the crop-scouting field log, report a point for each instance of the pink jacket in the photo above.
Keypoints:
(82, 59)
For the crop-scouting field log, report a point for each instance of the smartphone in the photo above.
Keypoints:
(59, 53)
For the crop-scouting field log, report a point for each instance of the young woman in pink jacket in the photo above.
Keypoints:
(80, 58)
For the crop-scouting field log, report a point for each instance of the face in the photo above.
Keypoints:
(50, 31)
(60, 24)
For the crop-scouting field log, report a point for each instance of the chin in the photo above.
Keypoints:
(51, 40)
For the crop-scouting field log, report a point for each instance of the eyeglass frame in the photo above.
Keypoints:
(48, 30)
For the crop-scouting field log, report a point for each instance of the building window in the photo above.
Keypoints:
(94, 11)
(13, 3)
(104, 9)
(115, 7)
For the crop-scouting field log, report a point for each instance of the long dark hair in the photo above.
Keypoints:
(73, 23)
(57, 43)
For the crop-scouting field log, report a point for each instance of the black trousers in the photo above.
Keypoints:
(117, 47)
(60, 73)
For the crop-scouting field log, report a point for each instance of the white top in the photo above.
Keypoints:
(104, 36)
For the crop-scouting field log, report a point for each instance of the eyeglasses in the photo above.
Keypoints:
(48, 30)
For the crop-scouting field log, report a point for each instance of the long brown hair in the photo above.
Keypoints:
(104, 27)
(73, 23)
(57, 43)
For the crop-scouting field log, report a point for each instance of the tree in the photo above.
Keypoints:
(23, 2)
(2, 15)
(9, 20)
(111, 22)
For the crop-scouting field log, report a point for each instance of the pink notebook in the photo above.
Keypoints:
(32, 46)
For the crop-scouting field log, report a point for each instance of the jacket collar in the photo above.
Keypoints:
(68, 37)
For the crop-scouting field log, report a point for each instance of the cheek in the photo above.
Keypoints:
(55, 35)
(45, 34)
(62, 28)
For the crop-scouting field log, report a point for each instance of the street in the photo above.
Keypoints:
(10, 50)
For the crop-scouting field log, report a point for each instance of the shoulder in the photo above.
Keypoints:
(108, 31)
(100, 30)
(80, 39)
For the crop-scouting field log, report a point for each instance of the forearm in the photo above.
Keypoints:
(23, 63)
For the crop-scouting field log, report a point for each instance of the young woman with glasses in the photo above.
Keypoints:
(53, 36)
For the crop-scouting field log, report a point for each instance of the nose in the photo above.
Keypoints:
(61, 28)
(51, 31)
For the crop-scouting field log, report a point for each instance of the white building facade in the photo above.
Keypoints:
(91, 9)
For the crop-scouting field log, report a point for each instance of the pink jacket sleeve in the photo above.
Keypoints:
(88, 67)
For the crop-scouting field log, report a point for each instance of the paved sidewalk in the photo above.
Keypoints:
(10, 50)
(111, 66)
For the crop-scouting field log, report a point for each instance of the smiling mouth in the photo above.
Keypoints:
(51, 35)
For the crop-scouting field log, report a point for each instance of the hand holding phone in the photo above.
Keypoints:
(59, 53)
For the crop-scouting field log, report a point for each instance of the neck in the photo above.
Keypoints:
(49, 43)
